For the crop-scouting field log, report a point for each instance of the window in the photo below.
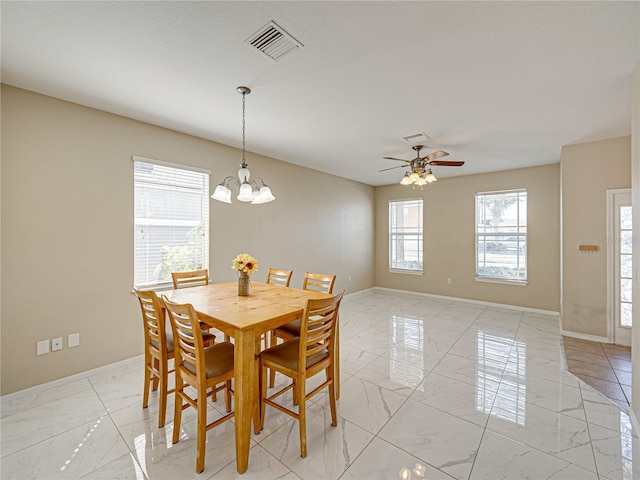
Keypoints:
(405, 236)
(171, 206)
(501, 236)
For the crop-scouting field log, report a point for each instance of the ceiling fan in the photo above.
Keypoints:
(421, 174)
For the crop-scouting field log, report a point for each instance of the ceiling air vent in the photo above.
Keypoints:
(417, 139)
(273, 41)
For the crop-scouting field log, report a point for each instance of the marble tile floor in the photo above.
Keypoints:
(605, 367)
(431, 389)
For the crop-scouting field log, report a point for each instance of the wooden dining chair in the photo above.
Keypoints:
(158, 349)
(193, 278)
(302, 358)
(279, 277)
(312, 281)
(198, 368)
(275, 277)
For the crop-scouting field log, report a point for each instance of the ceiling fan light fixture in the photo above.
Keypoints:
(418, 172)
(406, 180)
(421, 181)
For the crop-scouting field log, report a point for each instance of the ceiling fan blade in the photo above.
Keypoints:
(399, 159)
(391, 168)
(446, 163)
(434, 155)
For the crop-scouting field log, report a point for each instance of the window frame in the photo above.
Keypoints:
(521, 230)
(201, 206)
(392, 236)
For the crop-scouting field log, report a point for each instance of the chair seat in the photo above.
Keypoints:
(218, 360)
(287, 355)
(292, 328)
(207, 338)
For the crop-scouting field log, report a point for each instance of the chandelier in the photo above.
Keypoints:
(249, 190)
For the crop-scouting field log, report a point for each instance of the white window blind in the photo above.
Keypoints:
(171, 221)
(405, 235)
(501, 235)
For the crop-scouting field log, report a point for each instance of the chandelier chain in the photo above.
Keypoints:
(243, 129)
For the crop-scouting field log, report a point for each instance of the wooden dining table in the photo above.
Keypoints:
(245, 318)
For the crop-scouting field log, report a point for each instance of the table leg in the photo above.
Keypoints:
(245, 395)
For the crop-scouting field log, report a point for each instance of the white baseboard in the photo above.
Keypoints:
(71, 378)
(584, 336)
(467, 300)
(359, 293)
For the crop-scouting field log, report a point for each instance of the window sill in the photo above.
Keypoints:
(504, 281)
(407, 272)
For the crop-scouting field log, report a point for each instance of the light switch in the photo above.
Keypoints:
(73, 340)
(42, 347)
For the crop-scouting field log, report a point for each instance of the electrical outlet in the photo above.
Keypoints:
(56, 344)
(42, 347)
(349, 277)
(73, 340)
(449, 281)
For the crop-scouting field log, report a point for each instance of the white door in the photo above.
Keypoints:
(620, 259)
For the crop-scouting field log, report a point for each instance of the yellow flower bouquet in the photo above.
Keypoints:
(245, 265)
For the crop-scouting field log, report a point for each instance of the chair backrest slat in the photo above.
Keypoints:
(319, 282)
(279, 277)
(190, 279)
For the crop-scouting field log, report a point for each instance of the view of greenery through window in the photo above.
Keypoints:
(501, 235)
(405, 235)
(171, 221)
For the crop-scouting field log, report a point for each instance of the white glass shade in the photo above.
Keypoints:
(265, 195)
(406, 180)
(414, 177)
(430, 178)
(246, 193)
(222, 194)
(421, 181)
(257, 199)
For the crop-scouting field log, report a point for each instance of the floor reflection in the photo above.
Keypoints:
(418, 471)
(493, 349)
(410, 332)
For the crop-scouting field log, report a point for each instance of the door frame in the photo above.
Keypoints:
(612, 238)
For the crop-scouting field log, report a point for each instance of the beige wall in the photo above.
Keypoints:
(449, 237)
(67, 229)
(588, 170)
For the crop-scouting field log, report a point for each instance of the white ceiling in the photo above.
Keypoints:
(499, 85)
